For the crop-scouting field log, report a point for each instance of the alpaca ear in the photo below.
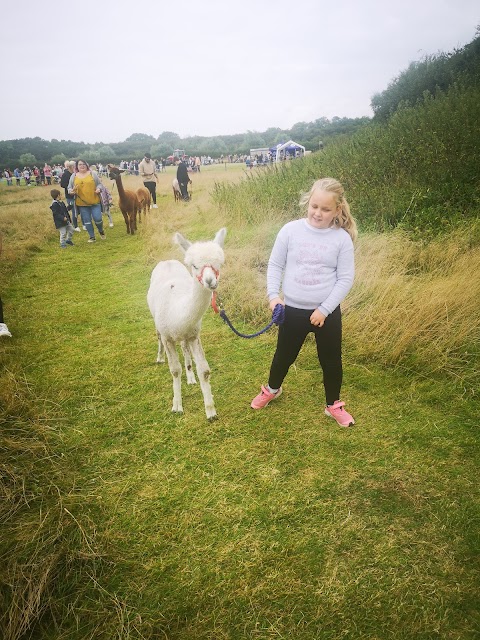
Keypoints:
(181, 241)
(220, 237)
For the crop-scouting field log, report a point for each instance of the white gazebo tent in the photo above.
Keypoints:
(282, 149)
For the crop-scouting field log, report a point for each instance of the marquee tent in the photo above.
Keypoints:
(290, 148)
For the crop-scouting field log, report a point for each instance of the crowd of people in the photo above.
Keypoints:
(51, 174)
(193, 163)
(33, 176)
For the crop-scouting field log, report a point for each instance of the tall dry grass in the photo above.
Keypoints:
(417, 304)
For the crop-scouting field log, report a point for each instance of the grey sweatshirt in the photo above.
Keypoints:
(317, 266)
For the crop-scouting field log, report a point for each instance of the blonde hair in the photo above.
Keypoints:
(344, 219)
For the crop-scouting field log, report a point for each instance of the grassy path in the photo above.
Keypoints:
(273, 524)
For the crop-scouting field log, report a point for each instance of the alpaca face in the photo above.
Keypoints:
(114, 172)
(205, 260)
(208, 277)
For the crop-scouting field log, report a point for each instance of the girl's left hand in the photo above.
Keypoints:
(317, 318)
(97, 190)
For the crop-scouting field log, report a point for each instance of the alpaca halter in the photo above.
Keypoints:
(207, 266)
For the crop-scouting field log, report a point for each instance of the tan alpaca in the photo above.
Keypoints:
(144, 198)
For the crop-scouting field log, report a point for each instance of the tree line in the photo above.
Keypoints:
(30, 151)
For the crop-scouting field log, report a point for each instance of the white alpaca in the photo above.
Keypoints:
(177, 302)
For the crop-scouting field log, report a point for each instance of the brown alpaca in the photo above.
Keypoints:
(128, 202)
(144, 201)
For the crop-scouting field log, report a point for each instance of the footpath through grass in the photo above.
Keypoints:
(268, 524)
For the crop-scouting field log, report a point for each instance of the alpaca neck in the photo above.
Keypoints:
(198, 301)
(121, 190)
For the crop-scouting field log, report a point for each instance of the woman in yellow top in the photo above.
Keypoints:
(85, 185)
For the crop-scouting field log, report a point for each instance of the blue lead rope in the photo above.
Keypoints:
(278, 317)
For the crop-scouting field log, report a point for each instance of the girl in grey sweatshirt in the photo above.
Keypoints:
(312, 262)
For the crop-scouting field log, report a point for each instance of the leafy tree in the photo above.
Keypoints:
(106, 153)
(8, 157)
(92, 155)
(170, 138)
(253, 139)
(59, 158)
(270, 134)
(282, 136)
(299, 131)
(161, 150)
(27, 159)
(213, 146)
(140, 137)
(193, 145)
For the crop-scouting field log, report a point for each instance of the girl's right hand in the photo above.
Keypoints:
(273, 303)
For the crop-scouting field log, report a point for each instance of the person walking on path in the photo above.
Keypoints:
(149, 175)
(312, 261)
(85, 186)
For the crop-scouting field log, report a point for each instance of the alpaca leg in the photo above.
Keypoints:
(187, 354)
(127, 221)
(203, 373)
(176, 371)
(161, 350)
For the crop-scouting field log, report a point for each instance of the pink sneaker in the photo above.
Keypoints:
(264, 398)
(338, 413)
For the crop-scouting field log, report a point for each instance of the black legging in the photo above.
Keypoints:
(152, 187)
(291, 336)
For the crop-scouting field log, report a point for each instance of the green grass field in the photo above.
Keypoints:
(123, 520)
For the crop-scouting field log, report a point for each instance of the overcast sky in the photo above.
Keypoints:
(100, 70)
